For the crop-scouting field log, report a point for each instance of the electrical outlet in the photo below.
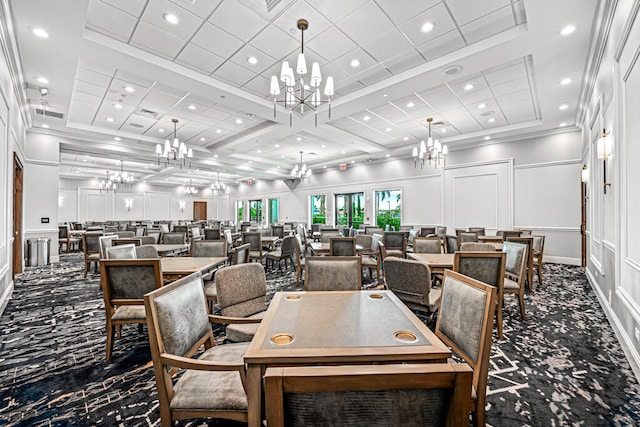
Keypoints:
(637, 333)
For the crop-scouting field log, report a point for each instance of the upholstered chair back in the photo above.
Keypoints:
(91, 243)
(411, 282)
(195, 233)
(141, 231)
(516, 257)
(127, 251)
(146, 251)
(373, 230)
(254, 238)
(241, 254)
(342, 246)
(229, 238)
(364, 240)
(487, 267)
(155, 234)
(241, 289)
(326, 236)
(63, 231)
(451, 244)
(427, 245)
(125, 234)
(467, 237)
(477, 247)
(180, 229)
(394, 239)
(132, 241)
(538, 243)
(277, 230)
(333, 273)
(288, 246)
(212, 234)
(164, 228)
(175, 238)
(105, 242)
(441, 230)
(426, 231)
(506, 234)
(147, 240)
(478, 230)
(208, 248)
(130, 279)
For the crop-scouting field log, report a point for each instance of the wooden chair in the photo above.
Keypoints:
(506, 234)
(240, 256)
(180, 229)
(417, 394)
(175, 238)
(300, 258)
(254, 238)
(528, 240)
(212, 234)
(124, 284)
(241, 297)
(451, 244)
(467, 236)
(277, 230)
(122, 252)
(411, 282)
(538, 254)
(213, 384)
(337, 273)
(395, 243)
(478, 230)
(467, 307)
(91, 249)
(137, 241)
(487, 267)
(427, 231)
(342, 246)
(104, 243)
(286, 252)
(65, 238)
(146, 251)
(477, 247)
(373, 230)
(515, 270)
(327, 235)
(427, 245)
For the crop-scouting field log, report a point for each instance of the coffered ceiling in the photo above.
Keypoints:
(118, 73)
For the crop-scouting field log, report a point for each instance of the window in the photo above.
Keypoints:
(319, 209)
(255, 211)
(239, 210)
(388, 208)
(350, 209)
(273, 211)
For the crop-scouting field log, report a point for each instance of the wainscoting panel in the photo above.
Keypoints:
(156, 205)
(67, 205)
(120, 206)
(95, 206)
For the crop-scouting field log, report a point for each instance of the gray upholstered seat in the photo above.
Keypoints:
(395, 243)
(467, 237)
(342, 246)
(175, 238)
(212, 234)
(241, 293)
(411, 282)
(178, 326)
(254, 238)
(333, 273)
(285, 252)
(515, 270)
(427, 245)
(477, 247)
(146, 251)
(122, 252)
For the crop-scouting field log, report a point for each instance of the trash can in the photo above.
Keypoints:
(38, 251)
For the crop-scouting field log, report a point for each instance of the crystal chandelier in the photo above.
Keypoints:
(298, 94)
(431, 150)
(175, 153)
(218, 186)
(300, 170)
(190, 191)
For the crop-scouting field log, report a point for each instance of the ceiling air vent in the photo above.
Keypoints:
(49, 113)
(147, 113)
(271, 4)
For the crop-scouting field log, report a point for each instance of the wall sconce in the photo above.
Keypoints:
(584, 174)
(128, 203)
(605, 148)
(182, 204)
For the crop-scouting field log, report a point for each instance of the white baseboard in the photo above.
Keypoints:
(6, 296)
(625, 340)
(562, 260)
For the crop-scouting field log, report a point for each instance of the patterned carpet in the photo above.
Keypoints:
(563, 366)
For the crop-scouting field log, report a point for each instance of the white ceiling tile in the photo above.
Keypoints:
(335, 10)
(90, 89)
(404, 62)
(187, 21)
(137, 124)
(438, 15)
(233, 74)
(344, 62)
(244, 53)
(330, 69)
(465, 11)
(201, 8)
(216, 40)
(159, 101)
(87, 99)
(133, 7)
(300, 9)
(243, 24)
(260, 86)
(110, 21)
(365, 24)
(332, 44)
(520, 112)
(199, 59)
(506, 73)
(140, 85)
(401, 11)
(475, 96)
(514, 97)
(477, 80)
(443, 45)
(440, 99)
(461, 120)
(156, 40)
(389, 45)
(488, 25)
(510, 87)
(90, 76)
(373, 75)
(275, 42)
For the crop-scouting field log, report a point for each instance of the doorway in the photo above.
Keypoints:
(255, 211)
(583, 215)
(200, 211)
(349, 209)
(17, 215)
(274, 216)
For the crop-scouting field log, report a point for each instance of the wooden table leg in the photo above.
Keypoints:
(254, 395)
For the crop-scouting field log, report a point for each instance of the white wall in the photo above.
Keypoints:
(613, 219)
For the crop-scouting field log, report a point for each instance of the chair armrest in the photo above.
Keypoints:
(227, 320)
(199, 365)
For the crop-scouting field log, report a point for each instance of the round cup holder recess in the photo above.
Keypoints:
(293, 297)
(376, 296)
(405, 336)
(282, 339)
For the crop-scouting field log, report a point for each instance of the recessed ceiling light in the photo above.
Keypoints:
(277, 145)
(323, 146)
(486, 138)
(563, 124)
(215, 155)
(385, 94)
(410, 105)
(252, 60)
(481, 106)
(564, 106)
(388, 155)
(129, 89)
(567, 30)
(298, 139)
(117, 138)
(117, 106)
(259, 151)
(238, 121)
(250, 161)
(468, 86)
(43, 80)
(427, 26)
(342, 152)
(40, 32)
(355, 63)
(161, 130)
(109, 119)
(406, 138)
(565, 81)
(443, 130)
(388, 129)
(366, 118)
(45, 126)
(324, 167)
(170, 18)
(278, 166)
(202, 139)
(491, 120)
(353, 161)
(218, 131)
(191, 107)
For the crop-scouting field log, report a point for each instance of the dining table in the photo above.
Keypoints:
(174, 268)
(171, 250)
(437, 262)
(335, 327)
(324, 248)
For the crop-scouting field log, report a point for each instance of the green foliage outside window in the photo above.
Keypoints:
(388, 209)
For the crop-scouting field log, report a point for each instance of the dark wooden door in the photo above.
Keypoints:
(199, 211)
(17, 215)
